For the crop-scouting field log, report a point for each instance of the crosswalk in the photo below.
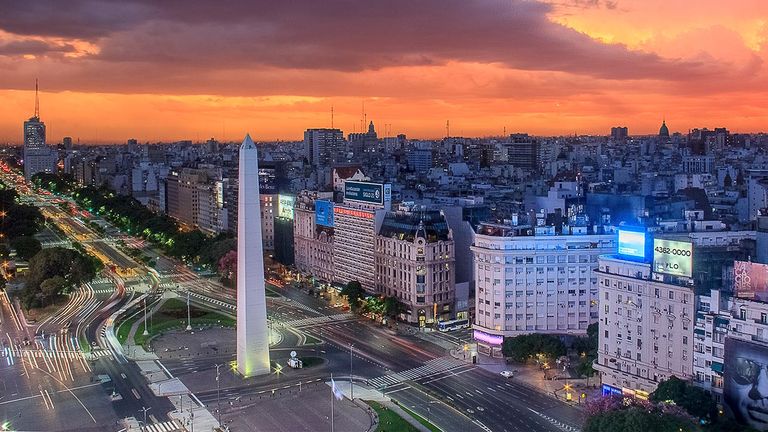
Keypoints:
(300, 306)
(224, 304)
(169, 426)
(319, 320)
(431, 367)
(60, 354)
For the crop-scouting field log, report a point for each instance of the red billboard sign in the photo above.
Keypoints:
(750, 280)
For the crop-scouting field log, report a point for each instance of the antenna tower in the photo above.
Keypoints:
(37, 101)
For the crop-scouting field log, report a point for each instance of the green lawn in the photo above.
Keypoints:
(173, 315)
(311, 340)
(124, 327)
(389, 420)
(421, 420)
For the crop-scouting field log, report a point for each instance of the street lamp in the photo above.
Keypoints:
(145, 409)
(189, 314)
(146, 333)
(351, 385)
(218, 393)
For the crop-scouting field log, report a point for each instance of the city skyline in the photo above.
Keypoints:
(546, 68)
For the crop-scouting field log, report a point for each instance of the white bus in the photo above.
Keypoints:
(456, 324)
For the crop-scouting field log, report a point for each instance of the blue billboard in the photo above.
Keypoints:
(632, 244)
(324, 213)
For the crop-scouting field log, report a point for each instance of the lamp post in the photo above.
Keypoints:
(146, 333)
(145, 409)
(351, 385)
(218, 394)
(189, 314)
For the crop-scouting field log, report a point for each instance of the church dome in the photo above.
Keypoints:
(663, 130)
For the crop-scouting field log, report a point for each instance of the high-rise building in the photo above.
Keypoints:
(67, 142)
(523, 151)
(536, 279)
(415, 263)
(364, 142)
(648, 296)
(195, 197)
(38, 157)
(619, 133)
(323, 147)
(356, 223)
(420, 158)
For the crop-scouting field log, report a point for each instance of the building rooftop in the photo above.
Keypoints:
(407, 225)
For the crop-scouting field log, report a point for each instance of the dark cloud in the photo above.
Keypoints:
(34, 47)
(342, 35)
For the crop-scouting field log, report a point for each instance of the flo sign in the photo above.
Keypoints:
(673, 257)
(368, 193)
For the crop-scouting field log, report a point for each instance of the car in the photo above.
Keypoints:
(507, 374)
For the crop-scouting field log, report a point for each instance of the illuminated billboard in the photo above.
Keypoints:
(324, 213)
(632, 244)
(368, 193)
(750, 280)
(488, 338)
(673, 257)
(744, 372)
(285, 206)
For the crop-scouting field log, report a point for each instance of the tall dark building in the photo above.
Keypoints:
(523, 151)
(619, 133)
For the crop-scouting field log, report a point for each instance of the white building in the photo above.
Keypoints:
(534, 280)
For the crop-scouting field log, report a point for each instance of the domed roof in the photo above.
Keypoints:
(663, 130)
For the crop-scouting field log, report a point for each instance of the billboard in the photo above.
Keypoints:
(324, 213)
(368, 193)
(744, 375)
(632, 244)
(285, 206)
(750, 280)
(672, 257)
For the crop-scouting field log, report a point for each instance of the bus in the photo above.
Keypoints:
(456, 324)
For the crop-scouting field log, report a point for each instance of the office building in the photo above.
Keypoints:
(323, 147)
(523, 151)
(313, 241)
(536, 278)
(415, 263)
(356, 222)
(195, 197)
(619, 133)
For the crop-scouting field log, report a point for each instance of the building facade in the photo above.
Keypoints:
(313, 242)
(415, 263)
(535, 280)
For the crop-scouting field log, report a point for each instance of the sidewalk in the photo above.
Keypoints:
(364, 393)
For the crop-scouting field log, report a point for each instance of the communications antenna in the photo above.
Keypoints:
(37, 101)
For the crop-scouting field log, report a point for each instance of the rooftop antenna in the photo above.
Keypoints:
(447, 128)
(37, 101)
(331, 116)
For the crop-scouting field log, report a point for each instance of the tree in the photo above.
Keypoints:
(187, 245)
(392, 307)
(354, 293)
(523, 347)
(211, 255)
(26, 247)
(53, 287)
(637, 419)
(696, 401)
(228, 267)
(60, 264)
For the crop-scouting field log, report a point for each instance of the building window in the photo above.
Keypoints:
(742, 314)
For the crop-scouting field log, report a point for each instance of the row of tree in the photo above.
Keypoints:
(54, 272)
(675, 406)
(191, 246)
(360, 302)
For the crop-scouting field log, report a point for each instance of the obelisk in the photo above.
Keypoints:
(252, 329)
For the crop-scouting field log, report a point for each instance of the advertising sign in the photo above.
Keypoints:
(673, 257)
(368, 193)
(285, 206)
(632, 244)
(324, 213)
(744, 374)
(488, 338)
(750, 280)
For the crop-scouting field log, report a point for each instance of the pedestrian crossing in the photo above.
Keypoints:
(319, 320)
(213, 300)
(169, 426)
(431, 367)
(300, 306)
(60, 354)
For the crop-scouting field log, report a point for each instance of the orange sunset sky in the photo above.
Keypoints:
(178, 69)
